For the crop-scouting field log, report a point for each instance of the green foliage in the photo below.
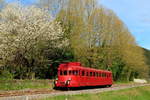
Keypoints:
(99, 39)
(147, 54)
(6, 75)
(24, 84)
(86, 32)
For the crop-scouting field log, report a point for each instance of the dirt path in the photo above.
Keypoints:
(43, 93)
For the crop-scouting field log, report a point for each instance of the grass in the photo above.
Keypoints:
(28, 84)
(24, 84)
(31, 84)
(123, 82)
(140, 93)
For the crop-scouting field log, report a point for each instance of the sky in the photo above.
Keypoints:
(134, 13)
(23, 1)
(136, 16)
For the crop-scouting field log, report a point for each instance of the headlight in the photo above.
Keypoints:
(67, 82)
(56, 82)
(69, 79)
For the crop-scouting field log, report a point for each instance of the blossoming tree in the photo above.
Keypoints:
(27, 35)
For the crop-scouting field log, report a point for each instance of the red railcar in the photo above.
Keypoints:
(72, 74)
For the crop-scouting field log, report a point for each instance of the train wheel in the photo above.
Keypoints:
(68, 88)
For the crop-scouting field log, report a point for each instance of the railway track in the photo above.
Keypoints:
(42, 93)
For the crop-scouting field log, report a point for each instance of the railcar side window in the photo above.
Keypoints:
(107, 75)
(70, 72)
(103, 75)
(97, 74)
(87, 74)
(65, 72)
(82, 73)
(93, 73)
(75, 72)
(90, 73)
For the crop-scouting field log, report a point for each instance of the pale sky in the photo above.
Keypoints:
(136, 15)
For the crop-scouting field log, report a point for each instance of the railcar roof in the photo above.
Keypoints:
(77, 65)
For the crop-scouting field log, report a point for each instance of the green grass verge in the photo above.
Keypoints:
(140, 93)
(123, 82)
(24, 84)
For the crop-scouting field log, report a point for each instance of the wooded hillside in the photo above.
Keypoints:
(35, 39)
(147, 54)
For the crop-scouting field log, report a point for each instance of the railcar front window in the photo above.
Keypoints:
(61, 73)
(65, 72)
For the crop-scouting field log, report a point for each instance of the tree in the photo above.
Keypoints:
(30, 39)
(99, 39)
(28, 35)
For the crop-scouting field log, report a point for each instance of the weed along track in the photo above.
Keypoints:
(42, 93)
(26, 92)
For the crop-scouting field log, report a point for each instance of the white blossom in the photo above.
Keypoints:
(27, 30)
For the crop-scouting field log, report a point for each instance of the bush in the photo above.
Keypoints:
(6, 75)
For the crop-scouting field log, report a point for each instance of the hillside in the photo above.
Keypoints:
(147, 54)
